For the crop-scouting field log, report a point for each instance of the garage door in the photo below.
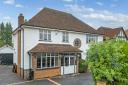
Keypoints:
(6, 59)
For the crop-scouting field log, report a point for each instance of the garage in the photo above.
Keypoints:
(6, 55)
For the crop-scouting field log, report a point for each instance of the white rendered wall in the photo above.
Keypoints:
(31, 39)
(15, 51)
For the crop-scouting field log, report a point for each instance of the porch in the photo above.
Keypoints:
(54, 60)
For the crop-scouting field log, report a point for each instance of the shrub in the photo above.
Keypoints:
(82, 66)
(109, 61)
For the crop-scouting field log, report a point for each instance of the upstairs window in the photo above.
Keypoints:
(45, 35)
(91, 38)
(65, 37)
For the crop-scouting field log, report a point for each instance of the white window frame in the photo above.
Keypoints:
(50, 61)
(65, 37)
(44, 35)
(91, 38)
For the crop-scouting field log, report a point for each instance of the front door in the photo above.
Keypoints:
(68, 65)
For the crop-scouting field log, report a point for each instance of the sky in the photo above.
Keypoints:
(96, 13)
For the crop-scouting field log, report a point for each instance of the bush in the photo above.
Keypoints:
(82, 66)
(109, 61)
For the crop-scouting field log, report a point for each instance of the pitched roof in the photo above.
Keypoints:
(55, 19)
(110, 32)
(58, 48)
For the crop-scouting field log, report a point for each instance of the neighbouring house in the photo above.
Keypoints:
(126, 31)
(6, 55)
(51, 43)
(113, 33)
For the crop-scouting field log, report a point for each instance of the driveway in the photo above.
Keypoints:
(7, 76)
(81, 79)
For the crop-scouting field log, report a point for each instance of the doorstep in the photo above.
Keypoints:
(70, 75)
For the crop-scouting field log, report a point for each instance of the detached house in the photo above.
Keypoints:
(51, 43)
(113, 33)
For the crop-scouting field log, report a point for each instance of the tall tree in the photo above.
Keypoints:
(1, 34)
(5, 34)
(8, 34)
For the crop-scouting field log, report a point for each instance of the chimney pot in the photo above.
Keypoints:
(20, 19)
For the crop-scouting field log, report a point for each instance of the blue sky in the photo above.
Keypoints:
(111, 13)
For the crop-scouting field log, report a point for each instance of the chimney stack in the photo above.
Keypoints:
(20, 19)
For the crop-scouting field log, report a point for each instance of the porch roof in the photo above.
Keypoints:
(56, 48)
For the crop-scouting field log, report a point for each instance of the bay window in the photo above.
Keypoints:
(38, 62)
(56, 61)
(47, 60)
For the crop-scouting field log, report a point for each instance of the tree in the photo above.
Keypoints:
(5, 34)
(8, 34)
(1, 34)
(109, 61)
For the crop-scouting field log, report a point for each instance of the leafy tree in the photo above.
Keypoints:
(8, 34)
(5, 34)
(109, 61)
(1, 34)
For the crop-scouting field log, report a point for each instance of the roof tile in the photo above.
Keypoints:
(57, 48)
(55, 19)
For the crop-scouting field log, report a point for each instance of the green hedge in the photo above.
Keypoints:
(109, 61)
(82, 66)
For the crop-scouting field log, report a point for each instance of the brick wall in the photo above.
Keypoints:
(38, 74)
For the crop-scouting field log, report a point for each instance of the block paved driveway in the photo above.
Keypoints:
(9, 78)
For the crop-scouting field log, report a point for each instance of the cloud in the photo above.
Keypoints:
(6, 18)
(102, 17)
(19, 6)
(12, 2)
(99, 3)
(9, 2)
(79, 9)
(68, 0)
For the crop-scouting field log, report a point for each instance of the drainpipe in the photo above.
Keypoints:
(23, 52)
(30, 70)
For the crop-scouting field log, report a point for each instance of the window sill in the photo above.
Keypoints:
(65, 41)
(47, 68)
(46, 40)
